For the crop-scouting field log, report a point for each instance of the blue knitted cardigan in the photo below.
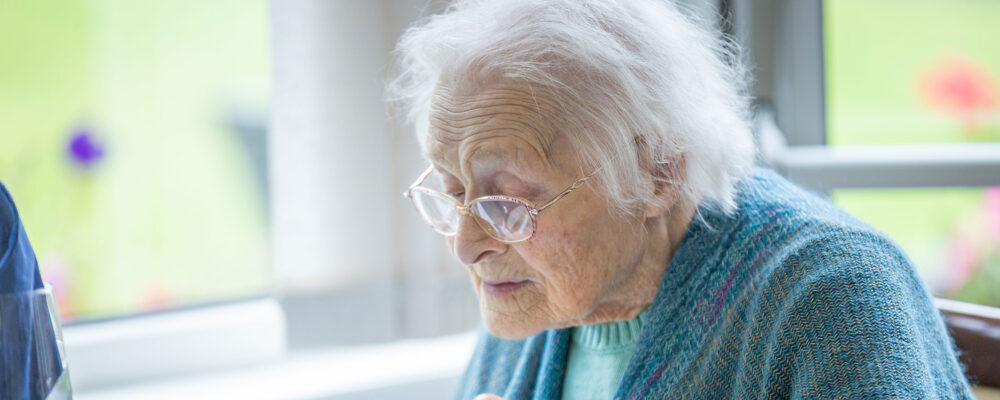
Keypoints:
(788, 297)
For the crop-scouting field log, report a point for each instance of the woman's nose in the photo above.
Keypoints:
(472, 245)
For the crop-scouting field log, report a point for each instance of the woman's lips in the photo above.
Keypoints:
(500, 288)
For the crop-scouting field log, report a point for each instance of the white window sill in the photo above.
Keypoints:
(418, 369)
(175, 343)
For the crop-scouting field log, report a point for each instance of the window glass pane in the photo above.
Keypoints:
(131, 137)
(952, 235)
(903, 71)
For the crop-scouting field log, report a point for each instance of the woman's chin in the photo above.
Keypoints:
(512, 310)
(510, 322)
(503, 327)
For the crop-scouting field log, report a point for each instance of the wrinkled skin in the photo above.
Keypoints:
(585, 264)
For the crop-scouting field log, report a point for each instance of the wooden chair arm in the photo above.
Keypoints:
(976, 331)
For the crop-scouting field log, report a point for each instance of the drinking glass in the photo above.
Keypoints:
(32, 355)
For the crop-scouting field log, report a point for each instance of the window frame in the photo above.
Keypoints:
(785, 39)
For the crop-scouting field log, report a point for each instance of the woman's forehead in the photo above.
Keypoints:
(506, 123)
(480, 155)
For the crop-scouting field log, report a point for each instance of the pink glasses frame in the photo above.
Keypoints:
(466, 209)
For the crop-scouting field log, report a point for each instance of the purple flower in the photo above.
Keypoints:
(83, 149)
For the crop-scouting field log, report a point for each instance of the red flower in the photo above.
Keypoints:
(962, 88)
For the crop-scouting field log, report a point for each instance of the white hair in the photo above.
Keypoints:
(650, 84)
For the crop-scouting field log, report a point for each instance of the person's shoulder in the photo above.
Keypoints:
(841, 302)
(6, 203)
(8, 216)
(819, 234)
(810, 240)
(764, 194)
(813, 260)
(779, 225)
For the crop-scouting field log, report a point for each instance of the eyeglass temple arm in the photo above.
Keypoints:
(574, 186)
(420, 179)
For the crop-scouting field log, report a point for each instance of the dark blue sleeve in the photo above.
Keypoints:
(18, 266)
(30, 361)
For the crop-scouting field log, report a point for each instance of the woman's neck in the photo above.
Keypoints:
(637, 291)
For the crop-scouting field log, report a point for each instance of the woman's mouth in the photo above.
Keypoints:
(502, 287)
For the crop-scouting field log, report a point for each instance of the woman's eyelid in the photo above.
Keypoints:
(450, 184)
(519, 187)
(497, 184)
(453, 188)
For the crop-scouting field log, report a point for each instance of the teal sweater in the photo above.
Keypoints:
(598, 355)
(788, 297)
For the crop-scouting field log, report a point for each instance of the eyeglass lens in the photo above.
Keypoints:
(437, 210)
(504, 220)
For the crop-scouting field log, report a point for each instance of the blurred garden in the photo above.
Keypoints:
(926, 71)
(132, 139)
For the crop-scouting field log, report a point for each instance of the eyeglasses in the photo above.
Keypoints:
(505, 218)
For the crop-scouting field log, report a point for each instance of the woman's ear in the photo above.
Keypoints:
(666, 180)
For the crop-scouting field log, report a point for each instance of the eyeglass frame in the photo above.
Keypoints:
(466, 209)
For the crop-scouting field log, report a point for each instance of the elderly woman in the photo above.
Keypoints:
(592, 166)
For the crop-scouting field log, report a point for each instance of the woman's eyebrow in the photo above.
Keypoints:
(442, 169)
(490, 162)
(485, 167)
(511, 178)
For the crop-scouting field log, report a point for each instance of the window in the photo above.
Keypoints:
(891, 109)
(132, 138)
(901, 72)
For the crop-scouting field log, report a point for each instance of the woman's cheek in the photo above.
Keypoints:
(552, 259)
(534, 252)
